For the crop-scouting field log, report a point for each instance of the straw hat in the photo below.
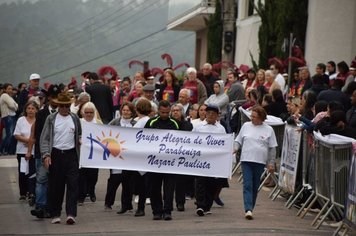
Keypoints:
(63, 98)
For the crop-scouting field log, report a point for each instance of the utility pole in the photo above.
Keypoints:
(229, 22)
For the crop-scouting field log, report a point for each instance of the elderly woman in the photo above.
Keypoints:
(258, 143)
(127, 115)
(197, 89)
(22, 134)
(88, 176)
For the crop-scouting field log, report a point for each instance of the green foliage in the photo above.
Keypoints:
(279, 19)
(214, 35)
(254, 63)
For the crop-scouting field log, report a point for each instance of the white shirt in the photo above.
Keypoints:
(125, 122)
(141, 122)
(196, 122)
(280, 80)
(64, 131)
(23, 128)
(74, 108)
(255, 141)
(204, 127)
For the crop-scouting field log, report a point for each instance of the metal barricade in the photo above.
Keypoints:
(332, 163)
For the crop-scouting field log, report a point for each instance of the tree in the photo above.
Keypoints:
(280, 18)
(214, 36)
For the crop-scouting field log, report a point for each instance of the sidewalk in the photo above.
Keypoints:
(270, 217)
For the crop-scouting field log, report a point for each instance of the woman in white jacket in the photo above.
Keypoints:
(8, 108)
(219, 98)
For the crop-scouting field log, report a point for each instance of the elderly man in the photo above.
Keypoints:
(25, 94)
(208, 77)
(60, 151)
(184, 99)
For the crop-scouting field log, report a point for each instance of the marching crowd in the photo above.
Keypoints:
(43, 128)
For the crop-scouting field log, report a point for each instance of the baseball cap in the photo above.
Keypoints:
(35, 76)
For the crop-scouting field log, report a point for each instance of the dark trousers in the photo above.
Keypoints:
(182, 188)
(63, 172)
(114, 182)
(205, 188)
(27, 182)
(133, 181)
(156, 181)
(88, 177)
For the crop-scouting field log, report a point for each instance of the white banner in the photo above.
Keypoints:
(289, 158)
(156, 150)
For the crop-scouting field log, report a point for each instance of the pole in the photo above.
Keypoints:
(289, 61)
(229, 21)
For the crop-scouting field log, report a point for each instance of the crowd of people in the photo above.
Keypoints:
(43, 128)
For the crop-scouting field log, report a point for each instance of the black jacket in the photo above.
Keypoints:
(100, 95)
(158, 123)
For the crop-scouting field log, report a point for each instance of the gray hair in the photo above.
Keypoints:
(208, 65)
(84, 94)
(184, 90)
(191, 70)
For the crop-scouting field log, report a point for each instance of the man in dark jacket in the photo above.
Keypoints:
(162, 210)
(101, 97)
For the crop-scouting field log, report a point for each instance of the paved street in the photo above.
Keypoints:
(271, 218)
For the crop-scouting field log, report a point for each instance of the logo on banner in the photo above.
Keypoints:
(109, 145)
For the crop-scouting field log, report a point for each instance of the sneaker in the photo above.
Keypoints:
(136, 199)
(208, 212)
(157, 217)
(167, 216)
(108, 208)
(93, 197)
(31, 200)
(219, 202)
(70, 220)
(200, 212)
(180, 207)
(139, 213)
(248, 215)
(56, 220)
(148, 201)
(22, 198)
(39, 213)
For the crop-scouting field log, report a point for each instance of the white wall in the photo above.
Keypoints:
(331, 32)
(247, 40)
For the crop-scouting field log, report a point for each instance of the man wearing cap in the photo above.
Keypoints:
(41, 210)
(29, 92)
(205, 187)
(60, 152)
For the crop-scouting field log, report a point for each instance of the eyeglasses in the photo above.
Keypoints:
(64, 105)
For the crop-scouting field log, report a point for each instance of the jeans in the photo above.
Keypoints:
(9, 124)
(252, 172)
(41, 184)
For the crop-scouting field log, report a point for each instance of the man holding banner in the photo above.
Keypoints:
(162, 210)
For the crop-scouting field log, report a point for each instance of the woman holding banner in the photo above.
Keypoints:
(257, 150)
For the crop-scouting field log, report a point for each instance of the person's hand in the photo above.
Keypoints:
(47, 162)
(28, 156)
(270, 168)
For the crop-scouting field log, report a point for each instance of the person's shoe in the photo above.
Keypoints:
(93, 198)
(200, 212)
(39, 213)
(139, 213)
(31, 200)
(47, 215)
(56, 220)
(108, 208)
(207, 212)
(219, 202)
(180, 207)
(22, 198)
(248, 215)
(157, 217)
(70, 220)
(122, 211)
(167, 216)
(148, 201)
(80, 202)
